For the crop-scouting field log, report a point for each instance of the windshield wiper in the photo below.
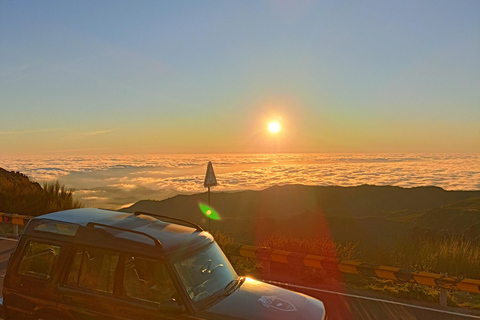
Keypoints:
(230, 288)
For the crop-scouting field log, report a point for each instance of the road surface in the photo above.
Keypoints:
(6, 248)
(344, 306)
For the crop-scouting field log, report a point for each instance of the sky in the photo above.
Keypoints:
(136, 77)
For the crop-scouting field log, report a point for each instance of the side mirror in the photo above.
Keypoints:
(170, 306)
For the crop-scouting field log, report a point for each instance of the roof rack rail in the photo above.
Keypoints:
(184, 222)
(155, 240)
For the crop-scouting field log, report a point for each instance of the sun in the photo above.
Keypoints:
(274, 127)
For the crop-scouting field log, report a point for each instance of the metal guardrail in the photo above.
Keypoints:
(15, 219)
(352, 267)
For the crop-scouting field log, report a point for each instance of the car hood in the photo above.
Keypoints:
(259, 300)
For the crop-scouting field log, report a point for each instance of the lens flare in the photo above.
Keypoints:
(209, 212)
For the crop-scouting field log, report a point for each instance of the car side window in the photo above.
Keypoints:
(147, 280)
(38, 260)
(93, 268)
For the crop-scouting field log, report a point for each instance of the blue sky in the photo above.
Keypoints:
(107, 77)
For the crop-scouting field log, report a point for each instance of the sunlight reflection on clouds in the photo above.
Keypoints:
(115, 181)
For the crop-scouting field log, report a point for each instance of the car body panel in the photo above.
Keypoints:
(259, 300)
(172, 236)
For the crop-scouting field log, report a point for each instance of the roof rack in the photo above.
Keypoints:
(183, 222)
(155, 240)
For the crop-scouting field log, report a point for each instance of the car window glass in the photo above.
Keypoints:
(73, 278)
(66, 229)
(93, 268)
(147, 280)
(38, 260)
(205, 273)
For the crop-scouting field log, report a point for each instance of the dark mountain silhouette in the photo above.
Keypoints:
(287, 201)
(369, 214)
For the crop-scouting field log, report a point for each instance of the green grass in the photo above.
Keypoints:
(412, 291)
(324, 247)
(456, 256)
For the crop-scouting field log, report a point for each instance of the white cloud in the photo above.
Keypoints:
(114, 181)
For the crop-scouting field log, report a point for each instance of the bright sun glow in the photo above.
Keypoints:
(274, 127)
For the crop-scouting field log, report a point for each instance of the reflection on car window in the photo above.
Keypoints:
(147, 280)
(38, 260)
(205, 273)
(94, 268)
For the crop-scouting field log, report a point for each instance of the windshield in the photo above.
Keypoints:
(205, 273)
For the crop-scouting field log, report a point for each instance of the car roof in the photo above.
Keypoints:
(137, 227)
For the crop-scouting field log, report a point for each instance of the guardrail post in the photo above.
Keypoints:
(266, 268)
(263, 254)
(443, 297)
(443, 293)
(15, 231)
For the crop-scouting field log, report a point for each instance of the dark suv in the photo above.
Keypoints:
(100, 264)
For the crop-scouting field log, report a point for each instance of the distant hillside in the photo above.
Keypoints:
(287, 201)
(370, 214)
(18, 194)
(456, 218)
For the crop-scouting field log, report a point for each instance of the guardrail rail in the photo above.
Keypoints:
(441, 281)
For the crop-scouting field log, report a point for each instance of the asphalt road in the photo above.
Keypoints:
(339, 306)
(344, 306)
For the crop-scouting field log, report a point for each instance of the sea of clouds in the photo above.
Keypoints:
(118, 181)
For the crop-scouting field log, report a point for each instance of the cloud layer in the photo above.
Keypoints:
(116, 181)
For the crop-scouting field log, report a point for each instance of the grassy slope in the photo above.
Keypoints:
(455, 218)
(20, 195)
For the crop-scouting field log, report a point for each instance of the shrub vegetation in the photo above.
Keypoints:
(18, 194)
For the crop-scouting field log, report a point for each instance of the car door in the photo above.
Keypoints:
(31, 286)
(87, 291)
(147, 290)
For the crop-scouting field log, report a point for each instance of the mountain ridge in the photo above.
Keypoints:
(369, 213)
